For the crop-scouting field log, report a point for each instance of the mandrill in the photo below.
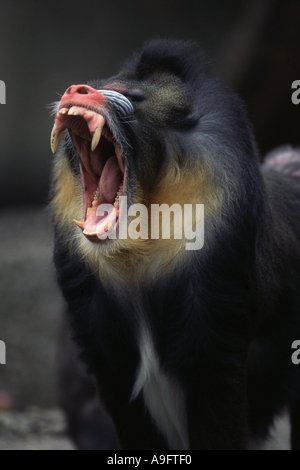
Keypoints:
(191, 348)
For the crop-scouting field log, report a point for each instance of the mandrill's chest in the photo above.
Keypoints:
(143, 325)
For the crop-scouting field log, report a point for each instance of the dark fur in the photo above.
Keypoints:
(222, 321)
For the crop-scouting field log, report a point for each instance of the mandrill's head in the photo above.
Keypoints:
(149, 135)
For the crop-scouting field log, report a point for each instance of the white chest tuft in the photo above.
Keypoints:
(163, 396)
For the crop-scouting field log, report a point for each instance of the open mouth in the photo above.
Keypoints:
(101, 165)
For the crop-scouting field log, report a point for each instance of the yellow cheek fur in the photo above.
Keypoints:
(67, 202)
(137, 258)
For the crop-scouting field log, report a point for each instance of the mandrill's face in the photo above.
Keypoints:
(133, 137)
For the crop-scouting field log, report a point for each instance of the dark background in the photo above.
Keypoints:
(46, 46)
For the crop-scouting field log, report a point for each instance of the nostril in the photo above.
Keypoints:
(82, 95)
(82, 90)
(79, 89)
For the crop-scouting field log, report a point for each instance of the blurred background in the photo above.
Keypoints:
(254, 46)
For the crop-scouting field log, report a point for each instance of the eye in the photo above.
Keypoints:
(134, 95)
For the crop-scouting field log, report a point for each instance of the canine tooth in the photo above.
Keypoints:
(95, 202)
(116, 204)
(55, 136)
(88, 210)
(109, 227)
(80, 224)
(96, 137)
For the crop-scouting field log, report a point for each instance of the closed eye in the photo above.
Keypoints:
(134, 95)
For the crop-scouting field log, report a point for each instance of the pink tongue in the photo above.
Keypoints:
(110, 180)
